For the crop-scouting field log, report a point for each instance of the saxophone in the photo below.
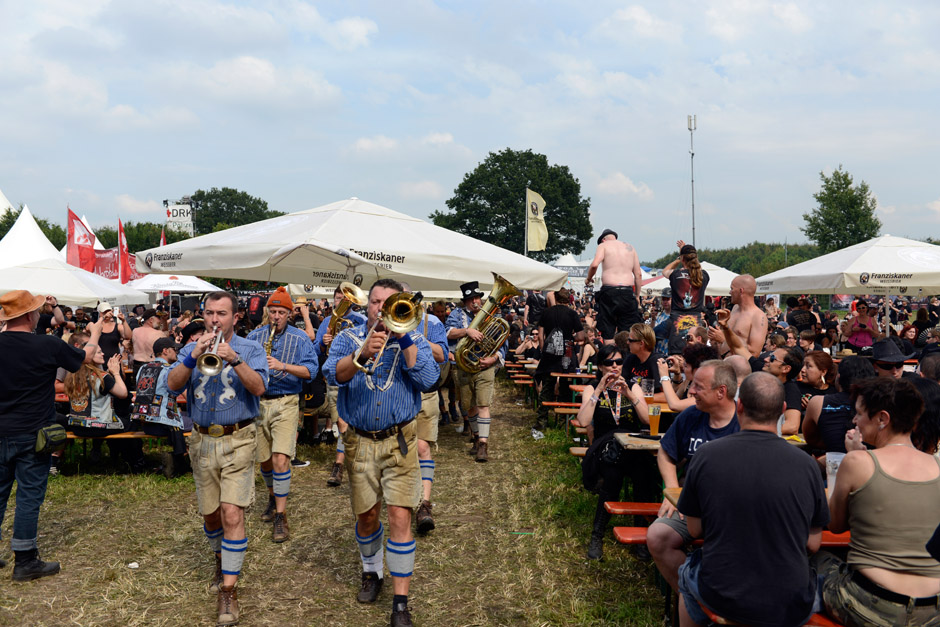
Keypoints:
(495, 330)
(269, 343)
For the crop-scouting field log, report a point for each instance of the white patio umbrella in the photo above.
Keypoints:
(883, 265)
(176, 283)
(69, 284)
(349, 240)
(719, 282)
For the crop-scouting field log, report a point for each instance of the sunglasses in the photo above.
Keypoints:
(612, 362)
(633, 340)
(772, 357)
(881, 365)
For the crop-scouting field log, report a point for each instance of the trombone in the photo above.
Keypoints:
(401, 313)
(209, 363)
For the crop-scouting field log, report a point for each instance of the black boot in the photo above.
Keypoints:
(601, 518)
(28, 566)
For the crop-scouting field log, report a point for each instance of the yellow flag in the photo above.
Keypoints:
(535, 214)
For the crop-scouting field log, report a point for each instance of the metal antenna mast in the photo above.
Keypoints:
(692, 161)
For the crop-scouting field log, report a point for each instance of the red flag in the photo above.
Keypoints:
(80, 249)
(163, 237)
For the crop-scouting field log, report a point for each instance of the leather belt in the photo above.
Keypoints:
(889, 595)
(382, 435)
(271, 397)
(217, 431)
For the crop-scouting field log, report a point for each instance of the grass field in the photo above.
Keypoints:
(508, 549)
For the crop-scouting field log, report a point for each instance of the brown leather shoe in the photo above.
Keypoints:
(476, 443)
(217, 578)
(268, 514)
(371, 586)
(281, 530)
(423, 519)
(481, 452)
(228, 606)
(336, 476)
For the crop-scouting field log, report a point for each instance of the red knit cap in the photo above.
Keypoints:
(280, 298)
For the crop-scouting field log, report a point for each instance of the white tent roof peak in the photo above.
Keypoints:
(5, 203)
(98, 244)
(25, 242)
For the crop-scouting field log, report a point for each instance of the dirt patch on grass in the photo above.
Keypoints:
(508, 548)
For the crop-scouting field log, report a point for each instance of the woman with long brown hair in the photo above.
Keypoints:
(688, 282)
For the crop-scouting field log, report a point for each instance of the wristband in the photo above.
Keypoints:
(190, 361)
(595, 399)
(238, 361)
(405, 342)
(664, 378)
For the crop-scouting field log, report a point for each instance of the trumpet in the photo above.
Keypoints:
(401, 313)
(209, 363)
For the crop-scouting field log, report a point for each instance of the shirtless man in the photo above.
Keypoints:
(748, 321)
(618, 300)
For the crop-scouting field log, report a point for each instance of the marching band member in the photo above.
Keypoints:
(322, 343)
(381, 443)
(476, 390)
(223, 407)
(291, 359)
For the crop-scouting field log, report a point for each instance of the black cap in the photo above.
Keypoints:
(666, 293)
(150, 313)
(605, 234)
(470, 290)
(164, 343)
(888, 352)
(193, 327)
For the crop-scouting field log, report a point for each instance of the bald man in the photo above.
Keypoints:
(748, 321)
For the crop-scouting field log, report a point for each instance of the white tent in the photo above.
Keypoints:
(5, 203)
(883, 265)
(69, 284)
(719, 282)
(25, 242)
(176, 283)
(29, 261)
(349, 240)
(98, 245)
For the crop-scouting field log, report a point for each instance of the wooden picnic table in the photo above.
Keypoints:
(573, 375)
(632, 443)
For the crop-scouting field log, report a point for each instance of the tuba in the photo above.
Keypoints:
(495, 330)
(352, 295)
(401, 313)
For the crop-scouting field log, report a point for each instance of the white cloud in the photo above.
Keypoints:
(128, 204)
(792, 17)
(425, 190)
(619, 184)
(640, 22)
(379, 143)
(438, 139)
(345, 34)
(934, 206)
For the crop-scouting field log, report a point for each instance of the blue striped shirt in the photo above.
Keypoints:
(292, 346)
(392, 394)
(222, 399)
(354, 316)
(435, 332)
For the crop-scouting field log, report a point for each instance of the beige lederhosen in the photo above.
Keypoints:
(428, 417)
(223, 468)
(278, 423)
(376, 468)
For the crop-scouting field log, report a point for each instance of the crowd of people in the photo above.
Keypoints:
(738, 375)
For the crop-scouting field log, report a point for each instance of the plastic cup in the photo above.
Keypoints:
(654, 420)
(832, 467)
(648, 386)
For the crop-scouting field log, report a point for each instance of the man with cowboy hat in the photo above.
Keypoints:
(291, 361)
(476, 390)
(618, 299)
(27, 403)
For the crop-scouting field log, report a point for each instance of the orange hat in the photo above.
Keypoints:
(280, 298)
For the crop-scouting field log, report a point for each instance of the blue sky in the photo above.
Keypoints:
(111, 107)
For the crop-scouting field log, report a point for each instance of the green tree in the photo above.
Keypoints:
(489, 204)
(756, 258)
(228, 206)
(55, 233)
(140, 235)
(844, 215)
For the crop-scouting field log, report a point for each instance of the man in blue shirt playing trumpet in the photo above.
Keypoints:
(379, 396)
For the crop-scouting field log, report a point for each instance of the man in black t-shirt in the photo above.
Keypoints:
(27, 403)
(759, 504)
(785, 364)
(559, 328)
(799, 315)
(535, 304)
